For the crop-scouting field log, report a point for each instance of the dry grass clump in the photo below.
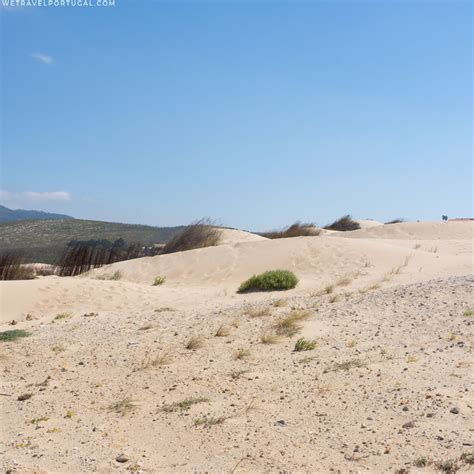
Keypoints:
(13, 267)
(163, 358)
(298, 229)
(124, 406)
(223, 331)
(468, 312)
(279, 303)
(347, 365)
(343, 224)
(211, 421)
(65, 315)
(195, 342)
(241, 354)
(291, 324)
(257, 312)
(267, 338)
(182, 405)
(274, 280)
(199, 234)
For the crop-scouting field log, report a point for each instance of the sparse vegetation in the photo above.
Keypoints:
(241, 354)
(279, 303)
(236, 374)
(64, 315)
(303, 344)
(398, 220)
(291, 324)
(334, 298)
(124, 406)
(12, 267)
(257, 311)
(195, 342)
(347, 365)
(343, 224)
(267, 338)
(43, 241)
(297, 229)
(222, 331)
(159, 280)
(208, 422)
(37, 421)
(199, 234)
(13, 335)
(163, 358)
(269, 281)
(182, 405)
(468, 313)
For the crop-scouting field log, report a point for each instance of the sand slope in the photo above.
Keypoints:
(387, 384)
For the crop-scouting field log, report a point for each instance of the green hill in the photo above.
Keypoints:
(10, 215)
(43, 241)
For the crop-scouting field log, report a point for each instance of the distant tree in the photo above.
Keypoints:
(445, 218)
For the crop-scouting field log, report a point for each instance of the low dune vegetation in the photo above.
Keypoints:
(13, 335)
(298, 229)
(343, 224)
(199, 234)
(270, 281)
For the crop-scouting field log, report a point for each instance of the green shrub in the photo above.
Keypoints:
(7, 336)
(270, 281)
(159, 280)
(303, 344)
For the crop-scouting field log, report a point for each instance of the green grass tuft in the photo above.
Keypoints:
(303, 344)
(270, 281)
(159, 280)
(12, 335)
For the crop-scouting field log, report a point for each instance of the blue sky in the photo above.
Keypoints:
(256, 113)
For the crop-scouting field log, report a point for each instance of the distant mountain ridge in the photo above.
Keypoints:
(14, 215)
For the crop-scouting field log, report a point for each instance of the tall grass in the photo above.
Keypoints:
(297, 229)
(343, 224)
(199, 234)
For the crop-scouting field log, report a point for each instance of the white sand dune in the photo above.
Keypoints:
(385, 386)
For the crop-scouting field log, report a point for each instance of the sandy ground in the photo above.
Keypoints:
(387, 386)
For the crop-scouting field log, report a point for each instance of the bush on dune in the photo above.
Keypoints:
(197, 235)
(343, 224)
(395, 221)
(297, 229)
(270, 281)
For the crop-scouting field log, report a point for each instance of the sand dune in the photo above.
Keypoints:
(384, 387)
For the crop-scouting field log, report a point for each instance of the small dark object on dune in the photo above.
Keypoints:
(395, 221)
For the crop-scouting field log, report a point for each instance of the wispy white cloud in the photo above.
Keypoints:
(34, 196)
(43, 58)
